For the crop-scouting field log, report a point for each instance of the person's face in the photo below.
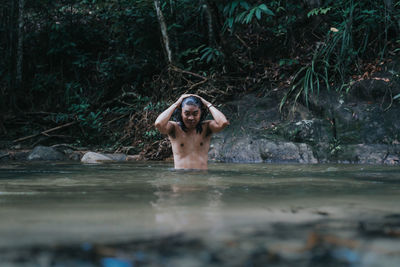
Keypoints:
(191, 116)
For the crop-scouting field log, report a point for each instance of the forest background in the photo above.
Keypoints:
(96, 73)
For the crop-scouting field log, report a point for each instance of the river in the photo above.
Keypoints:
(232, 214)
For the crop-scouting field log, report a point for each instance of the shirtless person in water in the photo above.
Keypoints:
(190, 136)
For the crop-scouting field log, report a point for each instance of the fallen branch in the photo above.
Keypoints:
(118, 118)
(243, 42)
(197, 84)
(174, 68)
(45, 132)
(68, 146)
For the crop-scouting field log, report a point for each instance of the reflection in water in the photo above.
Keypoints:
(188, 199)
(213, 209)
(146, 199)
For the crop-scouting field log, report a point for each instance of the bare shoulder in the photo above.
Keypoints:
(172, 126)
(206, 127)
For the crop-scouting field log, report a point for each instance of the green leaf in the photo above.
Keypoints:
(396, 96)
(241, 17)
(318, 11)
(209, 58)
(266, 10)
(205, 54)
(258, 13)
(249, 17)
(245, 5)
(230, 22)
(233, 6)
(369, 12)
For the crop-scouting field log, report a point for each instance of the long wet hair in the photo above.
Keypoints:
(194, 101)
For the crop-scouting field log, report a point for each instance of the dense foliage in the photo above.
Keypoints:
(105, 65)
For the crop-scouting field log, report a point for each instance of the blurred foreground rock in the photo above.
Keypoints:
(367, 242)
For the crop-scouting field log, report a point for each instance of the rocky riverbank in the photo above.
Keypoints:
(361, 127)
(62, 153)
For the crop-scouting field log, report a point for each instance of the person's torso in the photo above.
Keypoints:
(190, 148)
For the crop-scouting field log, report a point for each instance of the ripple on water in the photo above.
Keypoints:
(38, 171)
(17, 193)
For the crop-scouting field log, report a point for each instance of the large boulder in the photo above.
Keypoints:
(247, 150)
(45, 153)
(367, 114)
(20, 155)
(271, 151)
(258, 134)
(93, 157)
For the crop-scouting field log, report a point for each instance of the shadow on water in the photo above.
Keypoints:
(145, 214)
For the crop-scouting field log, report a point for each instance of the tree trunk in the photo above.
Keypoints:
(12, 55)
(230, 63)
(175, 43)
(389, 5)
(20, 47)
(164, 32)
(211, 40)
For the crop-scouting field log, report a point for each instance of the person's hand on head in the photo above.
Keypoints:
(205, 102)
(179, 101)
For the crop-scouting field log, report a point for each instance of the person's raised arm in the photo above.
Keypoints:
(162, 122)
(220, 121)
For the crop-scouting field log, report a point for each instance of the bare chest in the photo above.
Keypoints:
(186, 143)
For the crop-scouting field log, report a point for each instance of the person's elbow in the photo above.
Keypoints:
(160, 127)
(221, 125)
(224, 123)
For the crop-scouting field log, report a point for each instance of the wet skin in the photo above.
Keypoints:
(190, 148)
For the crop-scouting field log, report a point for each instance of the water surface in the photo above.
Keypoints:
(67, 203)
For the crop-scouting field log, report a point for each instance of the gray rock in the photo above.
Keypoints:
(246, 150)
(307, 131)
(392, 160)
(363, 154)
(271, 151)
(45, 153)
(21, 155)
(236, 149)
(116, 156)
(75, 156)
(93, 157)
(369, 154)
